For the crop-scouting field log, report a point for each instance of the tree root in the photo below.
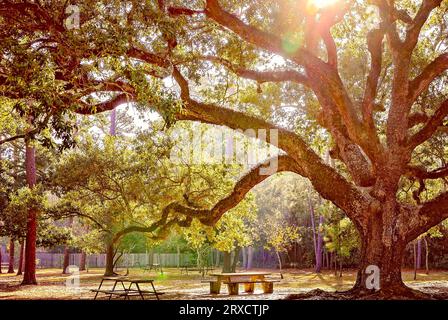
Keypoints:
(390, 293)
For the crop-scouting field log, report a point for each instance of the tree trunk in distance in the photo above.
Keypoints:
(419, 254)
(11, 256)
(236, 258)
(21, 260)
(426, 255)
(82, 262)
(313, 227)
(178, 256)
(319, 247)
(29, 277)
(0, 258)
(113, 122)
(217, 259)
(250, 257)
(330, 262)
(109, 261)
(244, 253)
(66, 260)
(340, 267)
(227, 262)
(415, 261)
(279, 260)
(335, 264)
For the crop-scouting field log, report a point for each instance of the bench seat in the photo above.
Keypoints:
(252, 281)
(249, 285)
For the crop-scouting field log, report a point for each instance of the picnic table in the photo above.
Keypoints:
(203, 270)
(133, 288)
(155, 267)
(248, 279)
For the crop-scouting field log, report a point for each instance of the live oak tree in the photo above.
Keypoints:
(370, 74)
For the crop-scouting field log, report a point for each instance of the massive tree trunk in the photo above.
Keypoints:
(29, 277)
(11, 256)
(385, 251)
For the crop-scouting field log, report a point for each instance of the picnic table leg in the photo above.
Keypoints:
(139, 291)
(233, 288)
(99, 288)
(249, 287)
(215, 287)
(113, 289)
(155, 292)
(124, 288)
(268, 287)
(127, 292)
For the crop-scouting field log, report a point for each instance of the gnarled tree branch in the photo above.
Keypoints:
(430, 127)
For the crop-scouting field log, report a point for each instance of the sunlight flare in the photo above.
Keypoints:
(322, 3)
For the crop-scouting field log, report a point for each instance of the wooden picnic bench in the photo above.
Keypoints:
(129, 291)
(248, 279)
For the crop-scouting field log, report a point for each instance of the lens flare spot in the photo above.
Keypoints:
(323, 3)
(291, 42)
(313, 6)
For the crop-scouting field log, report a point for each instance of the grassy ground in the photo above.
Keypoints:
(52, 284)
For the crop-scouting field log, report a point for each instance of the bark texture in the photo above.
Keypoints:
(29, 277)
